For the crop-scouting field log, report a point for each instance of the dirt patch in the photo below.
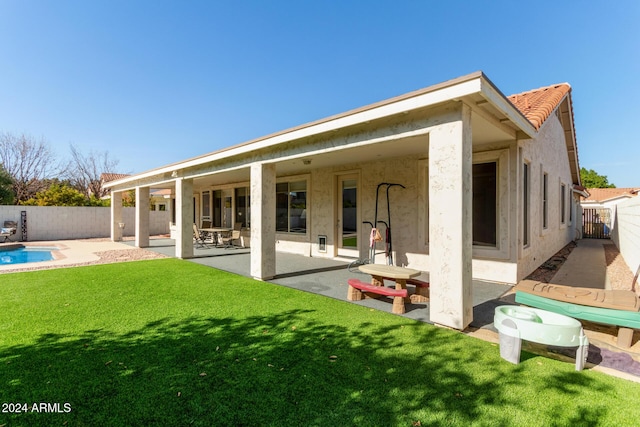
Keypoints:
(550, 267)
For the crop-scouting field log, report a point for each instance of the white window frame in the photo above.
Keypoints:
(501, 250)
(544, 199)
(307, 180)
(526, 203)
(563, 204)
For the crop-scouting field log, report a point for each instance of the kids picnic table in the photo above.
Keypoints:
(378, 274)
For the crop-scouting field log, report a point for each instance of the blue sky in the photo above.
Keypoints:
(154, 82)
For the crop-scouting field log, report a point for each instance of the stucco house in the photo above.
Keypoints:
(489, 181)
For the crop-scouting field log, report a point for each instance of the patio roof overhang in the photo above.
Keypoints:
(344, 137)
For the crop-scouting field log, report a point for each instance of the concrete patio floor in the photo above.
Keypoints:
(328, 277)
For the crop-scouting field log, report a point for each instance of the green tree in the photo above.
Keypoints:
(58, 195)
(6, 187)
(129, 199)
(591, 179)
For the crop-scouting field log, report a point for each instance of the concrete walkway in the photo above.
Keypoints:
(586, 266)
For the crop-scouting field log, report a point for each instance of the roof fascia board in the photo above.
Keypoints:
(573, 150)
(493, 95)
(581, 191)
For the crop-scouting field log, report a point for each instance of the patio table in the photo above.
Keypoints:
(217, 232)
(380, 272)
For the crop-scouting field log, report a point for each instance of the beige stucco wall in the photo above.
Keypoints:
(409, 211)
(404, 205)
(546, 154)
(626, 231)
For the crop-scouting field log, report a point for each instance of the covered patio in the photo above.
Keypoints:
(484, 188)
(299, 182)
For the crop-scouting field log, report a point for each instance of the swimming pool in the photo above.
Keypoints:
(24, 254)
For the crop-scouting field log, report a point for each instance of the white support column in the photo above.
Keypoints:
(116, 216)
(184, 218)
(263, 221)
(450, 222)
(142, 217)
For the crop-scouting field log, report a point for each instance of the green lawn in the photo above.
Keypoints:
(172, 343)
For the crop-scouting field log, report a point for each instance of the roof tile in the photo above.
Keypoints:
(108, 176)
(603, 194)
(538, 104)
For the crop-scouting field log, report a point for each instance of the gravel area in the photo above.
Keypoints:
(620, 276)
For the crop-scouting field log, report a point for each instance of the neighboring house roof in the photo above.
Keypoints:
(163, 192)
(538, 104)
(600, 195)
(108, 176)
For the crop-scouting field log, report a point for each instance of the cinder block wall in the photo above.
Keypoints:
(626, 232)
(65, 223)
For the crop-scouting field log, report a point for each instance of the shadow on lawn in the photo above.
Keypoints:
(284, 369)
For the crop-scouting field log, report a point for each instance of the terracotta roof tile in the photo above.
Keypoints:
(108, 177)
(603, 194)
(538, 104)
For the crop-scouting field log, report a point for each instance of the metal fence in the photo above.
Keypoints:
(596, 223)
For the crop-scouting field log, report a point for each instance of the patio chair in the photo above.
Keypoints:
(207, 235)
(8, 229)
(227, 242)
(201, 239)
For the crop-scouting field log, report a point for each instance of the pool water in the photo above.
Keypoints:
(25, 254)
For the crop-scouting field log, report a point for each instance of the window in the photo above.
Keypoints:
(570, 207)
(206, 205)
(243, 206)
(525, 204)
(217, 208)
(162, 207)
(563, 206)
(545, 204)
(291, 207)
(491, 203)
(485, 207)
